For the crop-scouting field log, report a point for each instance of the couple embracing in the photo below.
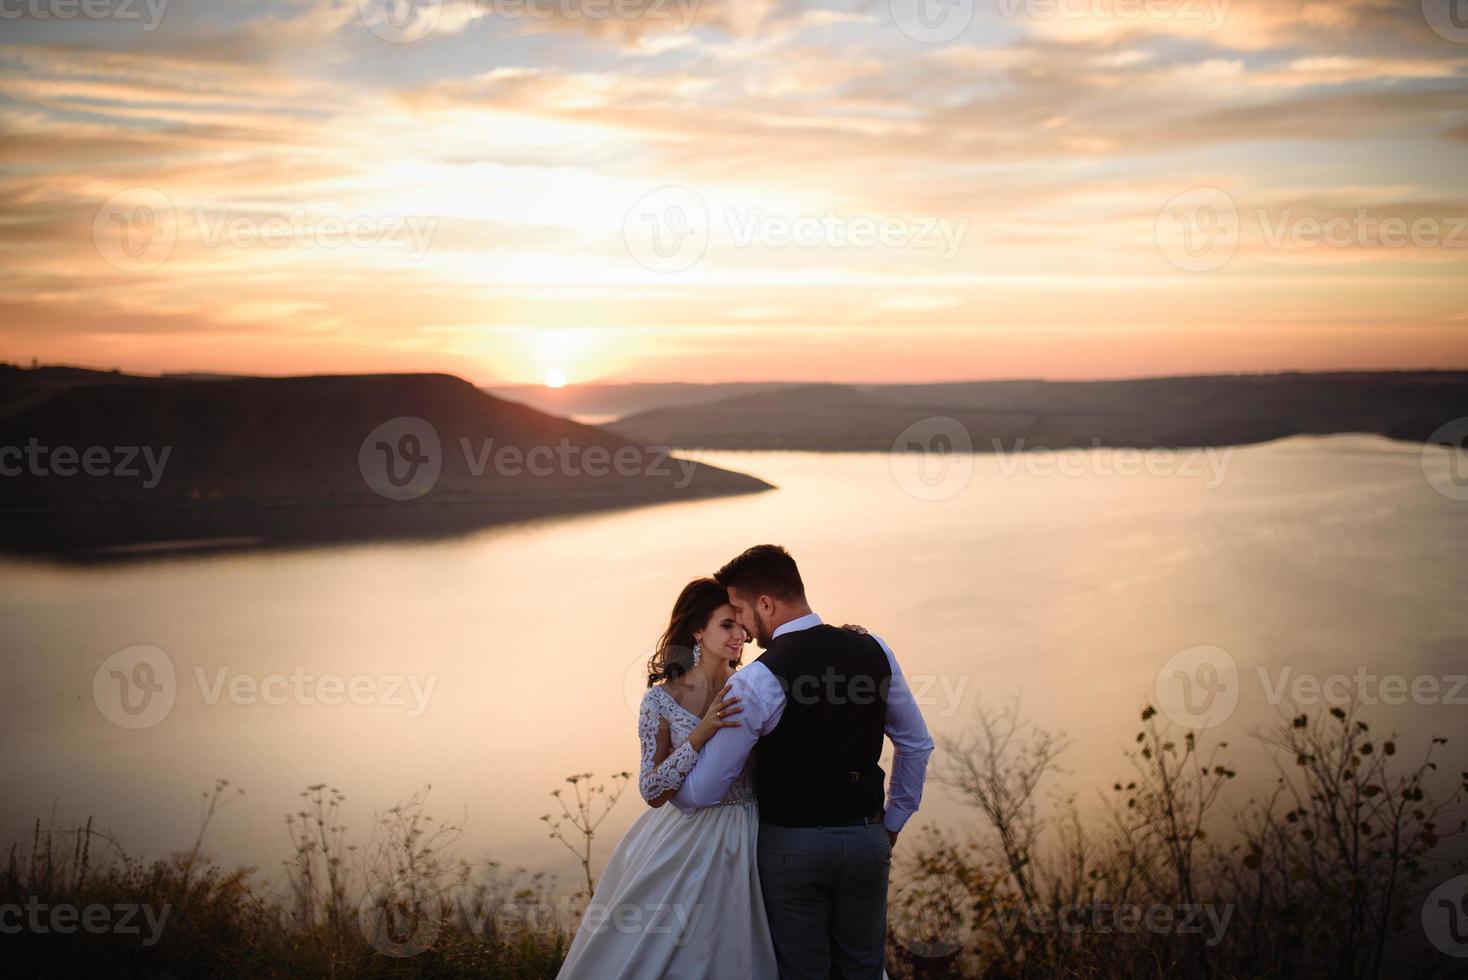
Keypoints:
(773, 859)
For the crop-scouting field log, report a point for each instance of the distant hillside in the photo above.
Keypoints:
(291, 459)
(617, 400)
(1160, 412)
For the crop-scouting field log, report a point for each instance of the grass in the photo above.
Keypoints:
(1322, 876)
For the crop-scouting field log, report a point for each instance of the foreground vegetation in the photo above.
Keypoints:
(1323, 877)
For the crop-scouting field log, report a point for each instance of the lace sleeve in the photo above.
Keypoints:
(665, 777)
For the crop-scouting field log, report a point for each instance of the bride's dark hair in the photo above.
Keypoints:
(673, 656)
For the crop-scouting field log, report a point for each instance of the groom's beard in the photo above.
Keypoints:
(761, 630)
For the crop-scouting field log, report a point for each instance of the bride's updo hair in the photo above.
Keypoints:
(673, 656)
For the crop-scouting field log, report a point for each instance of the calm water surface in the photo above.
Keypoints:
(1317, 556)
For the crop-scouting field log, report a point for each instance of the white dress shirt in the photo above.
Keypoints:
(763, 701)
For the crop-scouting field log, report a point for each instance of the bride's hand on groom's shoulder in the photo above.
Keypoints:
(855, 628)
(719, 714)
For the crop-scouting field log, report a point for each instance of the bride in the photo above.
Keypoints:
(680, 896)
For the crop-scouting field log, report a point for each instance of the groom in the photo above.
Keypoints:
(816, 705)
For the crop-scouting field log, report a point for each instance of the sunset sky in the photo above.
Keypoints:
(718, 190)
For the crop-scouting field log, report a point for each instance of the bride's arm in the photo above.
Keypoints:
(659, 770)
(663, 767)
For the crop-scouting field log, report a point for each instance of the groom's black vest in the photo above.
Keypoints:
(819, 764)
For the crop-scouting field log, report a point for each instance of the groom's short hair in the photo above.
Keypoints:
(765, 569)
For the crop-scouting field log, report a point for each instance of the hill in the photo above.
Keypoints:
(1214, 410)
(94, 459)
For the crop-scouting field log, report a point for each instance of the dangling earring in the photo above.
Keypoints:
(697, 652)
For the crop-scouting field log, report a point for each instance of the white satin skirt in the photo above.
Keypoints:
(680, 898)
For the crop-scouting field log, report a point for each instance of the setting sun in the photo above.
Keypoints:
(555, 378)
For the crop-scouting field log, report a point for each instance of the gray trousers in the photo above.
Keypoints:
(825, 894)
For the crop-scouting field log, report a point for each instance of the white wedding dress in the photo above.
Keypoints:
(680, 897)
